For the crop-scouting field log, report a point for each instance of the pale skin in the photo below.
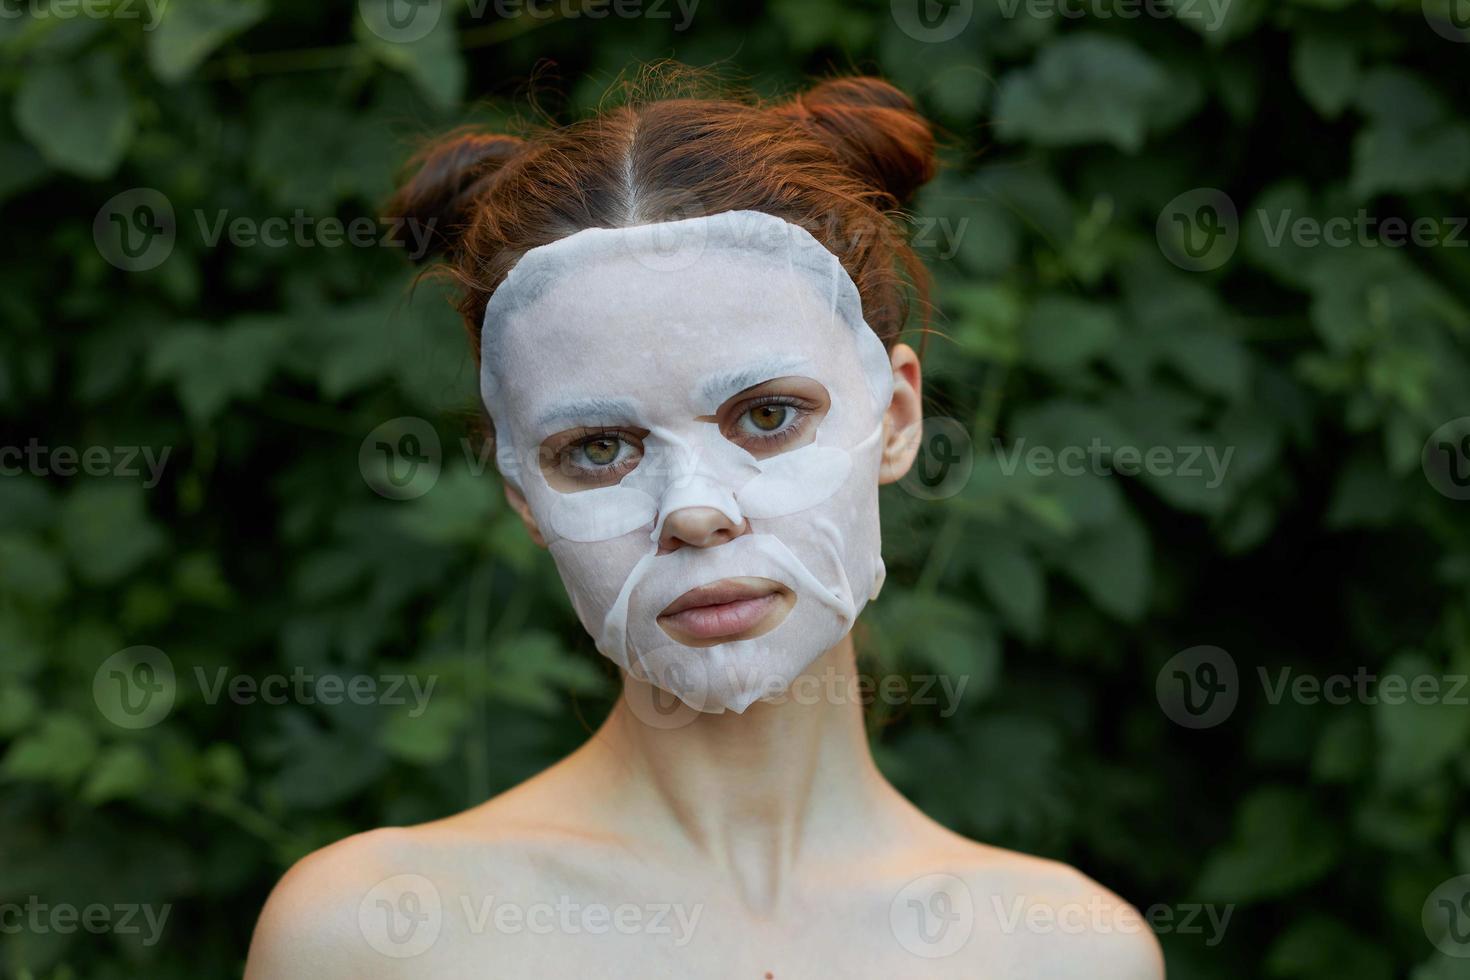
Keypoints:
(758, 845)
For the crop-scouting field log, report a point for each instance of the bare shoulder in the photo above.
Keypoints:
(397, 901)
(1041, 917)
(312, 924)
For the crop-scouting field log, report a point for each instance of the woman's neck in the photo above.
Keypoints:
(755, 794)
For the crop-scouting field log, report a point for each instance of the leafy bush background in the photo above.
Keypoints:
(263, 549)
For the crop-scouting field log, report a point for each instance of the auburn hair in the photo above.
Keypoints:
(839, 159)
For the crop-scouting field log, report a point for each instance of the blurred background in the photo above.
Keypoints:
(1187, 549)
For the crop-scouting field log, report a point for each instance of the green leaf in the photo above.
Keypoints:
(1014, 580)
(211, 367)
(19, 706)
(341, 157)
(432, 61)
(536, 671)
(987, 320)
(1221, 23)
(1391, 159)
(1282, 843)
(1366, 494)
(810, 24)
(106, 531)
(1325, 948)
(951, 636)
(57, 752)
(1084, 88)
(21, 167)
(1421, 718)
(1326, 70)
(1113, 565)
(190, 30)
(426, 733)
(79, 115)
(1212, 359)
(28, 569)
(1063, 333)
(120, 772)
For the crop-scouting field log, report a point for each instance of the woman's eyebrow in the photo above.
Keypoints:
(590, 411)
(718, 387)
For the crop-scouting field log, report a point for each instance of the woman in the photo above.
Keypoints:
(686, 314)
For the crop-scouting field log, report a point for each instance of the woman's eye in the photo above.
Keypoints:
(768, 418)
(770, 423)
(775, 416)
(583, 460)
(602, 452)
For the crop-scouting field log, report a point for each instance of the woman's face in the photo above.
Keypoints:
(697, 437)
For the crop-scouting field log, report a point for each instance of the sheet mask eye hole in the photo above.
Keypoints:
(585, 459)
(775, 416)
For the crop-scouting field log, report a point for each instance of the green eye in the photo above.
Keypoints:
(769, 418)
(601, 452)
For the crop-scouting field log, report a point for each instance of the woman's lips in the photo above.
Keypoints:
(730, 609)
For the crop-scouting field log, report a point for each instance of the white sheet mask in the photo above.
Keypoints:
(655, 327)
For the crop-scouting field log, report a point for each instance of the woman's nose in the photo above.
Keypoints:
(698, 527)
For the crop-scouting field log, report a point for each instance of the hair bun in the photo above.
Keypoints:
(875, 130)
(446, 177)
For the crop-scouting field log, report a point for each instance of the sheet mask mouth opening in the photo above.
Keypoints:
(727, 610)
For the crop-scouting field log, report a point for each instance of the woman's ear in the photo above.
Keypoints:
(518, 504)
(903, 423)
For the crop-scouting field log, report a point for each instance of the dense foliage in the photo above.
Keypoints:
(1082, 303)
